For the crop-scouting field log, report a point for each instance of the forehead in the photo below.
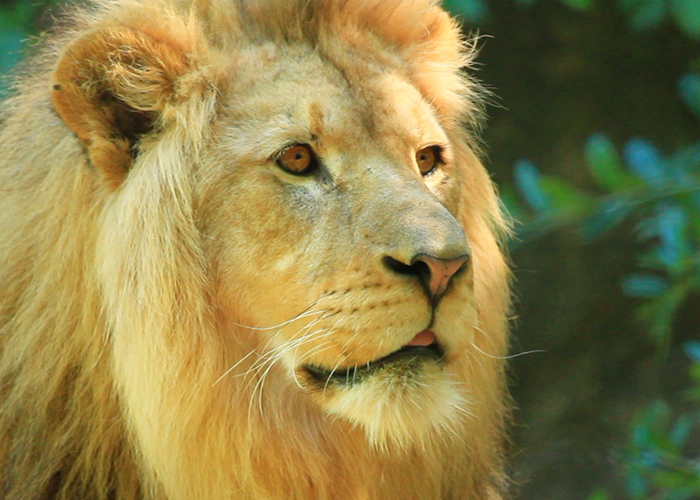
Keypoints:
(280, 95)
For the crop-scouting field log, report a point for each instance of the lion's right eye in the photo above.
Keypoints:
(298, 159)
(428, 159)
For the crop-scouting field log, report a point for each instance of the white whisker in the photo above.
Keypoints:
(302, 315)
(233, 367)
(534, 351)
(505, 357)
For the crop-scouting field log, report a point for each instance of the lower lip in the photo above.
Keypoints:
(426, 349)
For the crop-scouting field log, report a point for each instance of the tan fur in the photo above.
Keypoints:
(163, 282)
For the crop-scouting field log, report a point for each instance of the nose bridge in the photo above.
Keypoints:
(407, 220)
(426, 229)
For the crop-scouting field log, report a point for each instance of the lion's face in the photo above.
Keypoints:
(249, 252)
(328, 211)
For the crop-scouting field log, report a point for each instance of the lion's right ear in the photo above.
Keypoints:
(111, 87)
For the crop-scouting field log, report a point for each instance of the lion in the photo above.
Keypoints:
(248, 250)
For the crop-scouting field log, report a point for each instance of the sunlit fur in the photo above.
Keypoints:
(163, 282)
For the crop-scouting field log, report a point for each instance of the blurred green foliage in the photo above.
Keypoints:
(641, 14)
(655, 461)
(662, 195)
(17, 25)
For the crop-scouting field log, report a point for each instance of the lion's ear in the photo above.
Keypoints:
(111, 87)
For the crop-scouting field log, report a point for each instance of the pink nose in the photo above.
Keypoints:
(439, 272)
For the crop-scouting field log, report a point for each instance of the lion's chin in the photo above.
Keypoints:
(404, 401)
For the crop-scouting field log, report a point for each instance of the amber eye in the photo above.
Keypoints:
(299, 159)
(427, 159)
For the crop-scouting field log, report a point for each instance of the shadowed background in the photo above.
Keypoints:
(594, 138)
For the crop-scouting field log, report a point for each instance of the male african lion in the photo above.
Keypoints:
(247, 252)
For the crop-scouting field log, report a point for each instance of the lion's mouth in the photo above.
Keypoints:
(423, 347)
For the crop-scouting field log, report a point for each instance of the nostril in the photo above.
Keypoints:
(419, 268)
(401, 268)
(434, 273)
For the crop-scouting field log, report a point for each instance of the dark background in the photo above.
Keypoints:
(562, 74)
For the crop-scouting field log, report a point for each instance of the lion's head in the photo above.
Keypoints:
(248, 251)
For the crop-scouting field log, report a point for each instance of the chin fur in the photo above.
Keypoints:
(401, 408)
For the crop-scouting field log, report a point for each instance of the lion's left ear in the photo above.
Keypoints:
(111, 87)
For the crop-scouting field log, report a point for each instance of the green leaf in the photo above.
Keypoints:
(611, 212)
(679, 484)
(644, 159)
(644, 285)
(658, 314)
(692, 350)
(636, 486)
(10, 48)
(675, 246)
(18, 17)
(687, 15)
(564, 197)
(681, 430)
(528, 180)
(654, 422)
(605, 164)
(15, 26)
(644, 14)
(599, 494)
(689, 88)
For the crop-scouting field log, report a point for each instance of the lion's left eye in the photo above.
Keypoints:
(427, 159)
(298, 159)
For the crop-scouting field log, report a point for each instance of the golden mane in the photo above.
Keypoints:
(116, 378)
